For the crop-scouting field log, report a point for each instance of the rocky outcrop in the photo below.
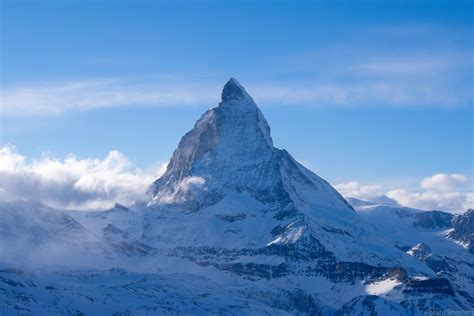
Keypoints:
(463, 230)
(433, 220)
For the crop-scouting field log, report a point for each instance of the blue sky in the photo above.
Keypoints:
(373, 91)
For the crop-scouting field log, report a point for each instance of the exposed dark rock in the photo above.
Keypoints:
(231, 217)
(111, 230)
(370, 305)
(433, 286)
(463, 230)
(433, 219)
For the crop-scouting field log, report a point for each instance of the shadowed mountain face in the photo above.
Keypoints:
(463, 230)
(253, 232)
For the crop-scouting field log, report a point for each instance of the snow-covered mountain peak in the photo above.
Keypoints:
(230, 150)
(239, 117)
(233, 91)
(225, 173)
(227, 150)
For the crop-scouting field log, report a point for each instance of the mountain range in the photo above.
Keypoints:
(235, 226)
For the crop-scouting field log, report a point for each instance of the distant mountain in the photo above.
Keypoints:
(438, 239)
(30, 229)
(237, 226)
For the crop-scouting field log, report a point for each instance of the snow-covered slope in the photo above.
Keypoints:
(429, 236)
(35, 233)
(234, 225)
(119, 292)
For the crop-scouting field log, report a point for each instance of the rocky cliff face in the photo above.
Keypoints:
(463, 230)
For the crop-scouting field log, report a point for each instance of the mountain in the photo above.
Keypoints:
(237, 226)
(35, 234)
(226, 170)
(230, 150)
(29, 229)
(438, 239)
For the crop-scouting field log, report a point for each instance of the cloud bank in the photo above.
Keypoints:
(72, 183)
(92, 183)
(440, 191)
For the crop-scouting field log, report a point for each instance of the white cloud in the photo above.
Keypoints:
(468, 201)
(443, 182)
(456, 202)
(73, 183)
(356, 190)
(440, 191)
(190, 182)
(88, 184)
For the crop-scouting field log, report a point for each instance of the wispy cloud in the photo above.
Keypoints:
(403, 66)
(392, 66)
(408, 65)
(56, 97)
(368, 94)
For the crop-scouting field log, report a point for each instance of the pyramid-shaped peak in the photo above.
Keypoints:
(230, 151)
(233, 91)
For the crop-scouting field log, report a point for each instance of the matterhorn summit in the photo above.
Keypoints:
(226, 171)
(230, 151)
